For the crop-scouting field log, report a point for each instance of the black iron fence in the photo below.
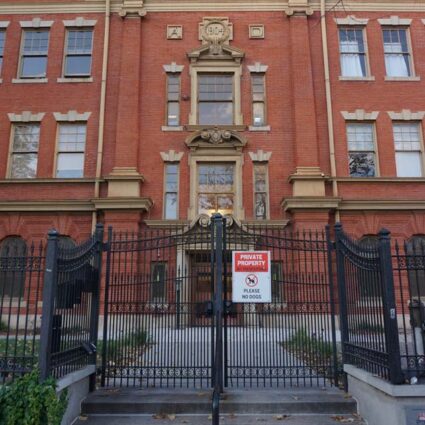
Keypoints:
(21, 277)
(70, 305)
(409, 276)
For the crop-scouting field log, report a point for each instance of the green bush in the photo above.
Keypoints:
(3, 326)
(26, 401)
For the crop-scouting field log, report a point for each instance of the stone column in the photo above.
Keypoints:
(308, 178)
(125, 179)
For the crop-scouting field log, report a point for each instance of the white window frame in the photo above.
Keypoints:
(70, 29)
(22, 55)
(216, 68)
(421, 146)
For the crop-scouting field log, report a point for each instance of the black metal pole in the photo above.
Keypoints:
(49, 291)
(330, 249)
(342, 293)
(389, 305)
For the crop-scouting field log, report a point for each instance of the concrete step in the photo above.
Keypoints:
(124, 401)
(235, 419)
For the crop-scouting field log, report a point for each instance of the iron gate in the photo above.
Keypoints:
(159, 309)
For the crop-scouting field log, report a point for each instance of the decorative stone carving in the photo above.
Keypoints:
(174, 32)
(258, 68)
(215, 24)
(260, 156)
(351, 20)
(256, 31)
(173, 68)
(215, 32)
(299, 7)
(132, 8)
(216, 137)
(171, 156)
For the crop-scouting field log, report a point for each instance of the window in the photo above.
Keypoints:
(215, 99)
(34, 53)
(173, 100)
(353, 52)
(215, 188)
(397, 55)
(12, 273)
(261, 191)
(277, 281)
(408, 155)
(78, 54)
(158, 283)
(361, 150)
(71, 145)
(2, 38)
(415, 250)
(23, 162)
(258, 100)
(171, 191)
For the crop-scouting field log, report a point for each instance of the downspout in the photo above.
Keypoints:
(101, 130)
(329, 103)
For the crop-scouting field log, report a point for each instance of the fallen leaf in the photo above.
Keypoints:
(209, 417)
(171, 417)
(295, 397)
(342, 419)
(280, 417)
(82, 418)
(159, 416)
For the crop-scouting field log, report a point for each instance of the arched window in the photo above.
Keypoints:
(415, 249)
(370, 285)
(13, 250)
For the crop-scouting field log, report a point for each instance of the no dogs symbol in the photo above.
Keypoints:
(251, 280)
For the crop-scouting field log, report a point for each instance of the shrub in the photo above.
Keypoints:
(26, 401)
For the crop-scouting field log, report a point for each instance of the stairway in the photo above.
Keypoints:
(153, 406)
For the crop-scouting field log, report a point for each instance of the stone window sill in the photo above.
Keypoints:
(262, 128)
(172, 128)
(29, 80)
(413, 78)
(75, 80)
(369, 78)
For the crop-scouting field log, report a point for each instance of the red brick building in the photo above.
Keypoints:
(132, 113)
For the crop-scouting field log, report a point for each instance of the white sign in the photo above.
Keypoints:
(251, 277)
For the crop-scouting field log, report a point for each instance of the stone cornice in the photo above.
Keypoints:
(395, 21)
(80, 22)
(129, 203)
(72, 116)
(171, 156)
(308, 203)
(95, 6)
(36, 23)
(351, 20)
(173, 68)
(26, 116)
(406, 115)
(258, 68)
(360, 115)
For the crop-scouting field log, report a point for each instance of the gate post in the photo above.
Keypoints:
(342, 295)
(330, 249)
(95, 293)
(49, 291)
(389, 306)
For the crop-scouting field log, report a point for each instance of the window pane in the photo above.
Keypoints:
(36, 42)
(406, 137)
(216, 178)
(2, 38)
(158, 288)
(72, 137)
(260, 206)
(173, 117)
(80, 41)
(206, 204)
(362, 164)
(78, 65)
(26, 138)
(258, 111)
(34, 66)
(171, 206)
(70, 165)
(215, 87)
(225, 203)
(23, 166)
(219, 113)
(360, 137)
(12, 278)
(408, 164)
